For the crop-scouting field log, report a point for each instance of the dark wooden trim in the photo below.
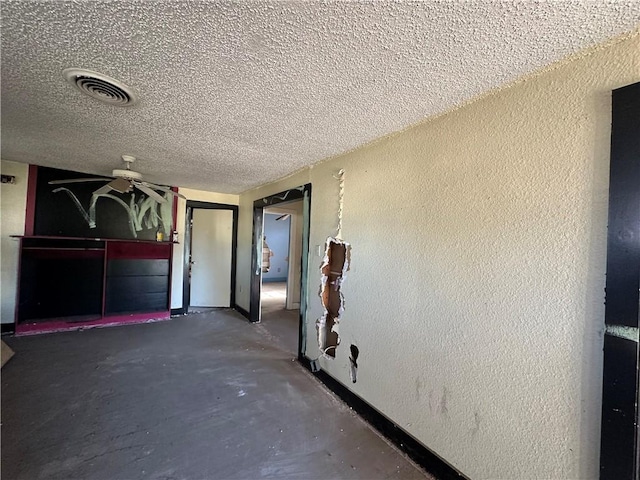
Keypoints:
(618, 448)
(234, 256)
(105, 265)
(420, 454)
(282, 197)
(30, 212)
(304, 272)
(177, 311)
(255, 285)
(91, 239)
(186, 281)
(170, 237)
(211, 205)
(186, 257)
(241, 311)
(174, 214)
(16, 309)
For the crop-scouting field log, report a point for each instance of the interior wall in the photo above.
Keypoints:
(177, 272)
(277, 233)
(478, 266)
(12, 218)
(295, 255)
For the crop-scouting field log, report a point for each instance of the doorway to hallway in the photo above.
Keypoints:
(281, 265)
(281, 302)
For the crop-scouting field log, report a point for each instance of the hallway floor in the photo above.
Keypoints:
(284, 324)
(202, 396)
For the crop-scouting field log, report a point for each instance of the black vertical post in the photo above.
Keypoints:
(618, 457)
(186, 261)
(256, 263)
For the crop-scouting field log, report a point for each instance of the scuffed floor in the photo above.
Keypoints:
(203, 396)
(281, 323)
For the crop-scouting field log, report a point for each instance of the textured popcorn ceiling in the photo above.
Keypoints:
(236, 94)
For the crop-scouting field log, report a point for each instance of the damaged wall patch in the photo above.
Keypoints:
(353, 359)
(334, 268)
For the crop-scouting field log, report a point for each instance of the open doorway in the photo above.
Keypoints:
(281, 268)
(279, 264)
(210, 256)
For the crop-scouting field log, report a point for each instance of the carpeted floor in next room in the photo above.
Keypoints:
(202, 396)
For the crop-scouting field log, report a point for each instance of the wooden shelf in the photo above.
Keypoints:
(95, 239)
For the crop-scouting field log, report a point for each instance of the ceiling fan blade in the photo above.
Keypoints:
(153, 194)
(164, 189)
(120, 185)
(102, 190)
(79, 180)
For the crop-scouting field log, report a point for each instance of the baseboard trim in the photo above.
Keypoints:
(241, 311)
(420, 454)
(177, 311)
(7, 328)
(274, 280)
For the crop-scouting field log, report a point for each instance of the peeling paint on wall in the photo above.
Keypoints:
(334, 267)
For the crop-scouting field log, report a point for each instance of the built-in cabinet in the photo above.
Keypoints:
(90, 259)
(82, 280)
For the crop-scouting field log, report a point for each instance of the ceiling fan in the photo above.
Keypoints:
(125, 181)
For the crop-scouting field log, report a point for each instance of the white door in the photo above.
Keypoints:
(211, 242)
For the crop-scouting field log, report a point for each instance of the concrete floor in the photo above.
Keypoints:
(202, 396)
(283, 324)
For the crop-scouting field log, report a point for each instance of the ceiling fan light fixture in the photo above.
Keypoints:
(101, 87)
(127, 173)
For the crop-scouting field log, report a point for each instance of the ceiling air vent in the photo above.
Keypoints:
(101, 87)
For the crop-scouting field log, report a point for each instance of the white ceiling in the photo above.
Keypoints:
(236, 94)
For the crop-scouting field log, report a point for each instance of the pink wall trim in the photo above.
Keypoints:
(62, 326)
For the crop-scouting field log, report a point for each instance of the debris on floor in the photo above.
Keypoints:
(7, 353)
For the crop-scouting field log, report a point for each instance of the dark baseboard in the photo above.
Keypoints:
(274, 280)
(420, 454)
(241, 311)
(7, 328)
(177, 311)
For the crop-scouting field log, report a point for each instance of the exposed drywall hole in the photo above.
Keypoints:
(334, 268)
(353, 359)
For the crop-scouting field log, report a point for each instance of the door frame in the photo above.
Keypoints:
(620, 386)
(302, 192)
(186, 279)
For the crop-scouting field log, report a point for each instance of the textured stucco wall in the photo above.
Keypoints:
(475, 294)
(12, 215)
(178, 249)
